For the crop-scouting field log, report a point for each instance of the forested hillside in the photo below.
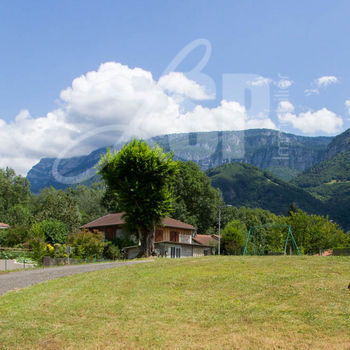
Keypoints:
(247, 185)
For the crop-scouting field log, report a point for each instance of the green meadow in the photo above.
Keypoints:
(216, 302)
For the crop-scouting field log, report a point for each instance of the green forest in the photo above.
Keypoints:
(49, 221)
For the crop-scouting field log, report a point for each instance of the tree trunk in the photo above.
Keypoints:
(147, 243)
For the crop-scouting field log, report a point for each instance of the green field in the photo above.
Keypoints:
(197, 303)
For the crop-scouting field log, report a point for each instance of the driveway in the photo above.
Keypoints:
(22, 279)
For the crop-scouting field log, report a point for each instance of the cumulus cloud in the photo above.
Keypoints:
(260, 81)
(111, 105)
(178, 83)
(347, 106)
(321, 83)
(326, 80)
(285, 107)
(284, 83)
(310, 122)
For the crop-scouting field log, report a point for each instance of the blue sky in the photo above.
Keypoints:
(45, 45)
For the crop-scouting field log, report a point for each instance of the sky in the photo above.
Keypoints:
(78, 75)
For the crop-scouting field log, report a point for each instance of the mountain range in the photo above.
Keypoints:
(256, 168)
(285, 155)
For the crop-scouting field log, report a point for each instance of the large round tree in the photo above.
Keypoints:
(140, 177)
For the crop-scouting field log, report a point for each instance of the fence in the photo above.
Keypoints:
(15, 258)
(341, 251)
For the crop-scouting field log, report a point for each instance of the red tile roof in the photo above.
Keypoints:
(2, 225)
(205, 239)
(116, 219)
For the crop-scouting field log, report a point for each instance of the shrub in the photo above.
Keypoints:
(39, 249)
(14, 236)
(233, 237)
(60, 251)
(12, 254)
(52, 231)
(87, 244)
(112, 251)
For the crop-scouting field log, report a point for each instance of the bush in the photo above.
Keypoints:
(112, 251)
(60, 251)
(52, 231)
(39, 249)
(233, 237)
(14, 236)
(11, 254)
(87, 244)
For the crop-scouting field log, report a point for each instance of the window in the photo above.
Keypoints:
(175, 252)
(159, 235)
(174, 236)
(119, 233)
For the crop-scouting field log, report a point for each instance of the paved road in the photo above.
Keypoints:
(22, 279)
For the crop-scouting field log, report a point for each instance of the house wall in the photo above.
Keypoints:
(185, 236)
(115, 231)
(164, 249)
(199, 251)
(108, 231)
(186, 251)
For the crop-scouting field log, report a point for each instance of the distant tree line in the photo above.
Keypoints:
(48, 221)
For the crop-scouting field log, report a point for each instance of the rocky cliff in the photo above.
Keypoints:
(282, 153)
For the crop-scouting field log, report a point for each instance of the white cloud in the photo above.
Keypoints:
(285, 107)
(310, 122)
(309, 92)
(178, 83)
(260, 81)
(321, 83)
(284, 83)
(326, 80)
(111, 105)
(347, 106)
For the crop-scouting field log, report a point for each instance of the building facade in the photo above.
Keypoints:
(173, 238)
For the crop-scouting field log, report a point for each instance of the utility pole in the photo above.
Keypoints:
(219, 230)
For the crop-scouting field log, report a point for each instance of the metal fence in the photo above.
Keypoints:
(15, 259)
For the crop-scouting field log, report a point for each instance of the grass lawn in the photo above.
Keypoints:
(201, 303)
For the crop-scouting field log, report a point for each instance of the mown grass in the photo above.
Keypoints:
(202, 303)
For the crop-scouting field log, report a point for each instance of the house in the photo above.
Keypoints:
(3, 226)
(211, 240)
(173, 238)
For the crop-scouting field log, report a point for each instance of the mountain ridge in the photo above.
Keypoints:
(286, 153)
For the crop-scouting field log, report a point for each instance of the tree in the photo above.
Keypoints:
(292, 209)
(89, 201)
(195, 200)
(233, 237)
(14, 196)
(58, 205)
(141, 178)
(53, 231)
(315, 232)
